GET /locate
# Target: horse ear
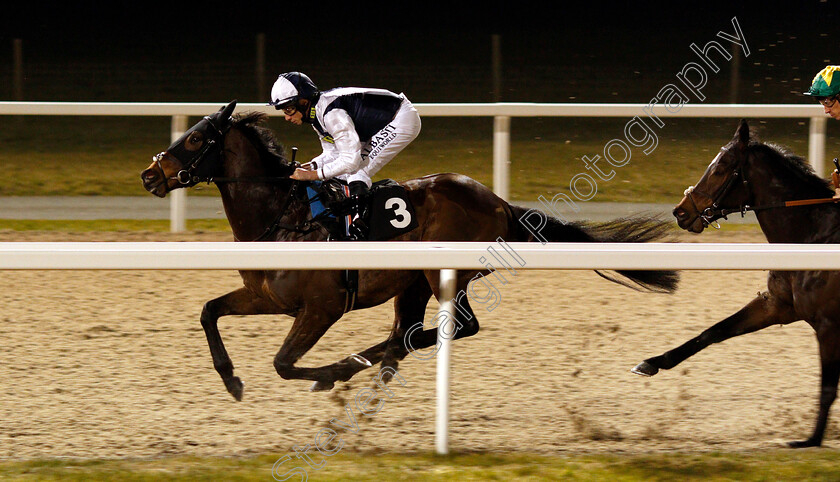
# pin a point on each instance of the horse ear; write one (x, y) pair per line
(742, 135)
(226, 111)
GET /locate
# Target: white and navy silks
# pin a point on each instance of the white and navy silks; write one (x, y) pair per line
(361, 130)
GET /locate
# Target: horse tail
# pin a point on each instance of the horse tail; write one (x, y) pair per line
(533, 225)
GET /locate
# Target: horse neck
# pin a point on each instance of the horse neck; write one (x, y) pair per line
(774, 183)
(252, 207)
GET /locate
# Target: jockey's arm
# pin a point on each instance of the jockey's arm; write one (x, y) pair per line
(311, 171)
(347, 148)
(325, 157)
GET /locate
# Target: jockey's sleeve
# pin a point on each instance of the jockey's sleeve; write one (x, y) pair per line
(348, 147)
(325, 157)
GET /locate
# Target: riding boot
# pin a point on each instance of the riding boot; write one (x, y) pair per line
(358, 195)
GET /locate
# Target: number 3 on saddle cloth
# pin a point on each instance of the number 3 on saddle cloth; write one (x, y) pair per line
(388, 212)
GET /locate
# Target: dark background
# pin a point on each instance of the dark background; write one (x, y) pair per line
(551, 52)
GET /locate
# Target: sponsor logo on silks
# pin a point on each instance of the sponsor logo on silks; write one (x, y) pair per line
(328, 139)
(381, 140)
(386, 134)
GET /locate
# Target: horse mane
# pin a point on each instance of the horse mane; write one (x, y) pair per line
(270, 149)
(797, 166)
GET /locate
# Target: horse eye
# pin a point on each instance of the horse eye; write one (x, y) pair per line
(722, 167)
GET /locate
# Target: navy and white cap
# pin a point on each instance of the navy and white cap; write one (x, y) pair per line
(290, 87)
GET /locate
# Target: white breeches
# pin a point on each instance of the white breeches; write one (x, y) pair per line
(387, 143)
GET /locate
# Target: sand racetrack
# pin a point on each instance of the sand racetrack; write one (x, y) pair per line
(115, 364)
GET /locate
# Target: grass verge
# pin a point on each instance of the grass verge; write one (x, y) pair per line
(107, 225)
(85, 156)
(812, 465)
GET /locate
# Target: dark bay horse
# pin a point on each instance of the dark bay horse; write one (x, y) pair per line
(262, 203)
(760, 177)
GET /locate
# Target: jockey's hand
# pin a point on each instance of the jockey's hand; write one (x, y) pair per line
(304, 175)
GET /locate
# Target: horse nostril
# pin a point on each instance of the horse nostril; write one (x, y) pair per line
(149, 176)
(679, 213)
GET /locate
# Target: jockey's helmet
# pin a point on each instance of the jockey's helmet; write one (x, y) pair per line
(290, 88)
(824, 84)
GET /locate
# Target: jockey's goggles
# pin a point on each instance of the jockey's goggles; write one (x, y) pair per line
(828, 102)
(289, 109)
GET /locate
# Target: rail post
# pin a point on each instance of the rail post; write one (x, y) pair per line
(501, 156)
(446, 331)
(816, 144)
(178, 197)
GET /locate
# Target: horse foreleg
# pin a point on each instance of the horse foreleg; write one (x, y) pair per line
(830, 374)
(763, 311)
(239, 302)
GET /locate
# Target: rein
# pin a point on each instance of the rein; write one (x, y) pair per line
(305, 227)
(786, 204)
(186, 176)
(714, 212)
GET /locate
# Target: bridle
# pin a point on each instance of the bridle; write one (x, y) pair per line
(711, 214)
(187, 177)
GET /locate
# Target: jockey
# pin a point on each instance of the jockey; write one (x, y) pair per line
(825, 88)
(360, 130)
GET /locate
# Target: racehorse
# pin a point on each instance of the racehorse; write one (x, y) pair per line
(793, 205)
(247, 164)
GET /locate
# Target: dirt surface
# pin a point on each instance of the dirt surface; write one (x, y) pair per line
(115, 364)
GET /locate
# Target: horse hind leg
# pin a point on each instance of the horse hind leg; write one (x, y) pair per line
(411, 337)
(761, 312)
(239, 302)
(345, 369)
(409, 310)
(829, 376)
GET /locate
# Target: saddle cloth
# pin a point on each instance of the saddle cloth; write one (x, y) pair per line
(388, 213)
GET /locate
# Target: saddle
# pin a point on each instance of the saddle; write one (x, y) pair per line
(386, 209)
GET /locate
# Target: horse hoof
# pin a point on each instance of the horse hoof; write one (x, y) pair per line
(645, 369)
(320, 386)
(361, 360)
(801, 444)
(235, 387)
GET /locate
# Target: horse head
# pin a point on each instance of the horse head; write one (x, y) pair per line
(721, 190)
(195, 156)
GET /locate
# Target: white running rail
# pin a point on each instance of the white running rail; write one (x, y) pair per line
(501, 113)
